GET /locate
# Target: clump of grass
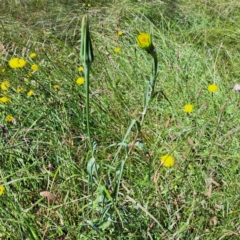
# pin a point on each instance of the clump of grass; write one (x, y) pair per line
(44, 146)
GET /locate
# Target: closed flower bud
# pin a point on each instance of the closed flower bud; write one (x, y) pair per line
(86, 54)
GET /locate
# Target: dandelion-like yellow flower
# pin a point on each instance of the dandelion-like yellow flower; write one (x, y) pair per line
(19, 90)
(17, 63)
(188, 108)
(212, 88)
(89, 5)
(2, 189)
(120, 33)
(5, 85)
(32, 55)
(30, 93)
(9, 118)
(117, 50)
(80, 81)
(3, 70)
(4, 99)
(167, 160)
(144, 41)
(56, 86)
(81, 69)
(34, 67)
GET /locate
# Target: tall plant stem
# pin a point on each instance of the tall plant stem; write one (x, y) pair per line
(86, 76)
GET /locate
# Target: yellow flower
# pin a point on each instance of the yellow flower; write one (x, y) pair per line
(2, 189)
(34, 67)
(30, 93)
(167, 160)
(212, 88)
(89, 5)
(80, 81)
(17, 63)
(33, 55)
(4, 99)
(188, 108)
(5, 85)
(120, 33)
(3, 70)
(117, 50)
(56, 86)
(19, 90)
(80, 69)
(144, 41)
(9, 118)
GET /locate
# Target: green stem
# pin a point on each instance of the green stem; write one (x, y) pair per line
(86, 76)
(154, 71)
(149, 90)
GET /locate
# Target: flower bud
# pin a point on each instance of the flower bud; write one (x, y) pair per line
(86, 53)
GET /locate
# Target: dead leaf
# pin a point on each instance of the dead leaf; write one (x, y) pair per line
(190, 142)
(219, 145)
(48, 195)
(127, 190)
(237, 88)
(218, 207)
(168, 123)
(150, 227)
(213, 221)
(224, 183)
(209, 192)
(214, 182)
(223, 106)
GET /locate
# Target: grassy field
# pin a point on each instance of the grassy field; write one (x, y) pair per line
(55, 185)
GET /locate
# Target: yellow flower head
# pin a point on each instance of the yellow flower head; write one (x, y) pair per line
(120, 33)
(3, 70)
(2, 189)
(4, 99)
(80, 68)
(30, 93)
(212, 88)
(188, 108)
(117, 50)
(17, 63)
(19, 90)
(56, 86)
(144, 41)
(80, 81)
(167, 160)
(34, 67)
(33, 55)
(5, 85)
(9, 118)
(89, 5)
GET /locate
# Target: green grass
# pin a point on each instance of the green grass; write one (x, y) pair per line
(119, 196)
